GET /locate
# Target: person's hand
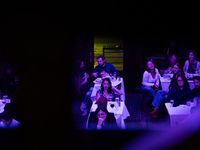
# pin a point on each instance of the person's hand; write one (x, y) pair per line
(95, 74)
(170, 69)
(86, 75)
(100, 121)
(105, 74)
(156, 87)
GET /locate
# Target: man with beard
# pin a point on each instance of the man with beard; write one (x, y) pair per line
(196, 91)
(104, 69)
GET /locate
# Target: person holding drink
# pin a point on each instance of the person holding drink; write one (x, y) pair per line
(107, 90)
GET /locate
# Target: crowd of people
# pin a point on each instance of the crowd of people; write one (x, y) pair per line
(9, 86)
(178, 90)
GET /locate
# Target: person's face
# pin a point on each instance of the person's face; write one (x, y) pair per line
(172, 60)
(100, 61)
(150, 65)
(180, 82)
(197, 84)
(106, 85)
(102, 114)
(82, 65)
(176, 69)
(191, 56)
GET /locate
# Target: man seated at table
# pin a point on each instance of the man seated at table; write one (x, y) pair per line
(101, 119)
(104, 69)
(168, 65)
(196, 91)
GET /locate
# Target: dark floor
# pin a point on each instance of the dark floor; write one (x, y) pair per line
(139, 118)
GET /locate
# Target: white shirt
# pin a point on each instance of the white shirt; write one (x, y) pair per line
(14, 124)
(148, 80)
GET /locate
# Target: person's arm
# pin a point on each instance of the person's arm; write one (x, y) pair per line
(145, 79)
(114, 70)
(158, 77)
(117, 91)
(96, 72)
(97, 96)
(170, 94)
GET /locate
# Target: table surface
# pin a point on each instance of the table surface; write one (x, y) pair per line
(114, 83)
(114, 110)
(179, 110)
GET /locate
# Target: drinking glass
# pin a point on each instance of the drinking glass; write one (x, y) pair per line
(188, 103)
(110, 97)
(116, 105)
(172, 102)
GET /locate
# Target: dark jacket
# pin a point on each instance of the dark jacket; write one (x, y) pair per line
(110, 122)
(179, 96)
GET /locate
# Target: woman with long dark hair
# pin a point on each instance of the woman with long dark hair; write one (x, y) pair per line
(161, 94)
(180, 93)
(107, 90)
(102, 119)
(150, 81)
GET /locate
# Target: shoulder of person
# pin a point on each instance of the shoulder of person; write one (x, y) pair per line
(156, 70)
(108, 64)
(187, 62)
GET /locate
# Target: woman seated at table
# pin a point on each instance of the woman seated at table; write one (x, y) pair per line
(150, 81)
(101, 119)
(180, 92)
(192, 66)
(107, 90)
(161, 94)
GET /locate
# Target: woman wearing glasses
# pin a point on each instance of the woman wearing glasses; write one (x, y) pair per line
(180, 93)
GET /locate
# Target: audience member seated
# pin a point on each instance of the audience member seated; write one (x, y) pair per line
(102, 101)
(168, 65)
(196, 91)
(107, 90)
(150, 81)
(192, 66)
(104, 69)
(7, 121)
(180, 93)
(101, 119)
(14, 106)
(82, 86)
(161, 94)
(8, 81)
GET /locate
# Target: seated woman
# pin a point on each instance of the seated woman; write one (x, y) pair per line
(180, 93)
(107, 90)
(83, 88)
(7, 121)
(161, 94)
(150, 81)
(192, 66)
(101, 119)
